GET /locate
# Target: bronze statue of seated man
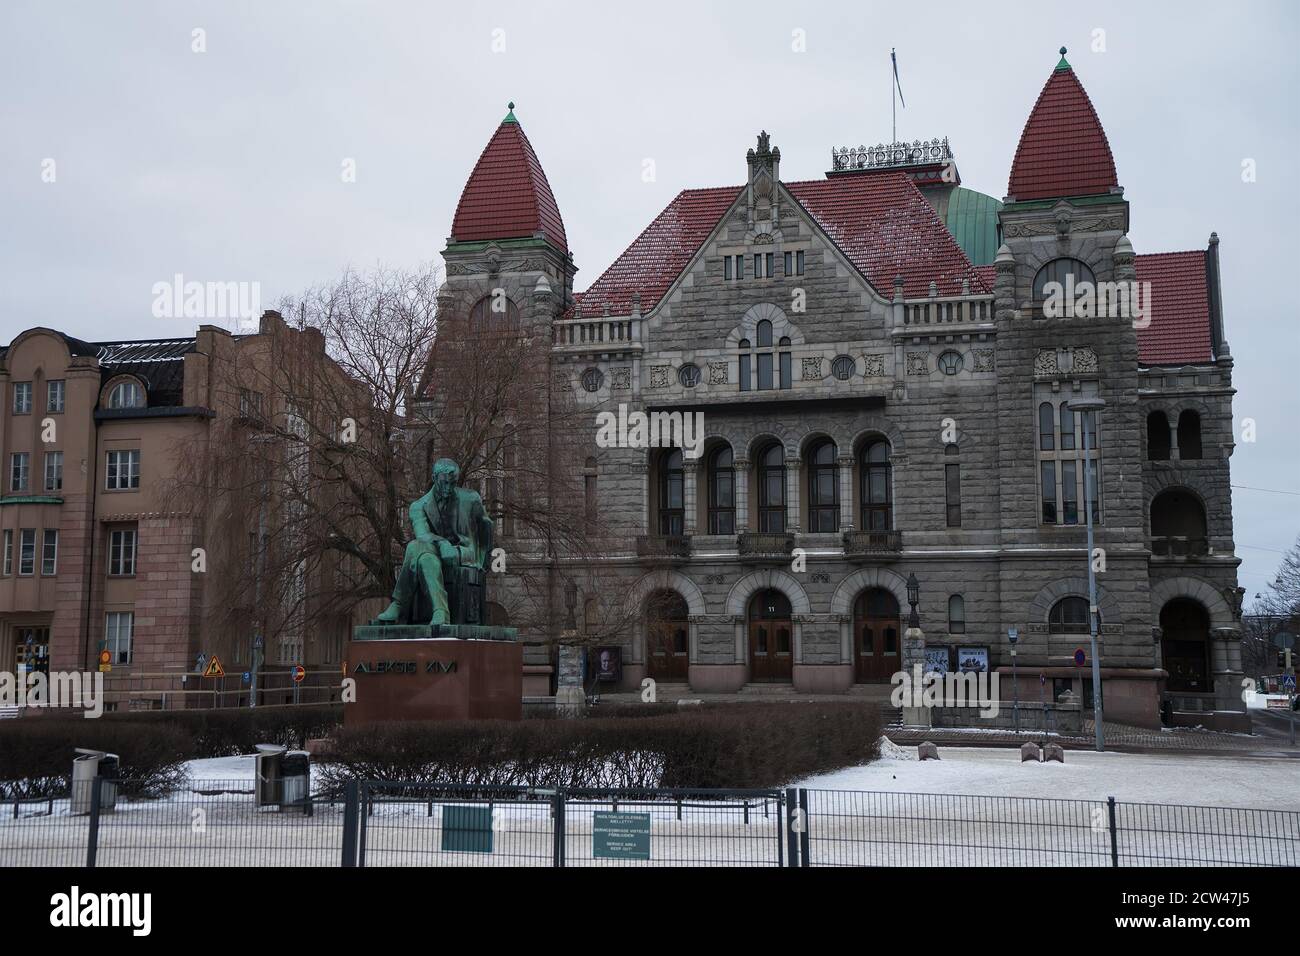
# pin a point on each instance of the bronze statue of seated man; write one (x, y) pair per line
(452, 531)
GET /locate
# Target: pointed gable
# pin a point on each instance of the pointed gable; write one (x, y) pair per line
(1063, 149)
(507, 195)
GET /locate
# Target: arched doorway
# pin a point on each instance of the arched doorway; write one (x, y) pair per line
(771, 640)
(1178, 525)
(667, 640)
(877, 644)
(1185, 646)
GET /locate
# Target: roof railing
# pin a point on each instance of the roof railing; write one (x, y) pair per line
(891, 155)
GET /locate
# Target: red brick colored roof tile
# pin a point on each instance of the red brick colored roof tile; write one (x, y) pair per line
(1063, 150)
(658, 256)
(988, 275)
(880, 221)
(887, 228)
(507, 196)
(1179, 304)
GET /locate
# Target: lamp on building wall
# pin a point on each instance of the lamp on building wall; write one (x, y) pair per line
(1089, 407)
(913, 596)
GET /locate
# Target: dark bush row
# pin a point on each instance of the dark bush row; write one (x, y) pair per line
(36, 753)
(748, 745)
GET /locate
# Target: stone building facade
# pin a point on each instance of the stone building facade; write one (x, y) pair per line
(879, 400)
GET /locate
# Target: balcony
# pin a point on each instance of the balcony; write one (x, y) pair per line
(666, 548)
(872, 544)
(1179, 546)
(757, 546)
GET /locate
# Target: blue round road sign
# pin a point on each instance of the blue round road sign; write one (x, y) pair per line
(1080, 658)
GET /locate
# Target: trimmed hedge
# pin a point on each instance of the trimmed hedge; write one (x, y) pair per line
(36, 753)
(746, 745)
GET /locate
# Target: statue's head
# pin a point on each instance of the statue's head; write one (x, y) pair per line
(446, 476)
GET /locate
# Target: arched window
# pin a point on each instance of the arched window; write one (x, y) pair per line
(765, 368)
(1178, 525)
(497, 616)
(956, 614)
(1069, 616)
(722, 491)
(671, 493)
(876, 487)
(1157, 437)
(1046, 428)
(771, 489)
(126, 395)
(823, 488)
(589, 501)
(1055, 279)
(1189, 435)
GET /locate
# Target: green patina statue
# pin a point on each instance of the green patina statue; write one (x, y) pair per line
(444, 573)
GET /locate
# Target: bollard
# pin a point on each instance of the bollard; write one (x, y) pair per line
(1054, 752)
(927, 751)
(1031, 751)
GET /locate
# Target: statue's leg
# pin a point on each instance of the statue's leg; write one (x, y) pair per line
(431, 569)
(403, 590)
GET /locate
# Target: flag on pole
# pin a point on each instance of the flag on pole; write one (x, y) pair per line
(898, 85)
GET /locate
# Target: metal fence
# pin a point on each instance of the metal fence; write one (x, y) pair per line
(395, 823)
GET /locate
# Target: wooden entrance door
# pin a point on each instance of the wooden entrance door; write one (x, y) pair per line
(877, 636)
(668, 641)
(1185, 647)
(771, 638)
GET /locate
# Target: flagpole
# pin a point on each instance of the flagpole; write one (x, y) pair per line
(893, 102)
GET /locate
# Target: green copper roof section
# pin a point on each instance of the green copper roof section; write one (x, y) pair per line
(1063, 65)
(972, 218)
(510, 116)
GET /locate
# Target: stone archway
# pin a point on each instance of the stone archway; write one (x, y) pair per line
(663, 579)
(743, 591)
(846, 593)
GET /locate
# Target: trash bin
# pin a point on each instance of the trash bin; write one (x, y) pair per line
(295, 773)
(269, 758)
(88, 767)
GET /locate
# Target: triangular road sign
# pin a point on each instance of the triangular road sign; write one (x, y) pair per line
(214, 668)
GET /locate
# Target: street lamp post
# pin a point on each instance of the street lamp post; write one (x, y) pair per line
(1089, 408)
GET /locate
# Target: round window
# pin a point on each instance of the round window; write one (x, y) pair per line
(842, 367)
(950, 363)
(689, 375)
(592, 379)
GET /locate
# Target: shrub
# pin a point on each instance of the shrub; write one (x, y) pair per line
(36, 755)
(745, 745)
(231, 731)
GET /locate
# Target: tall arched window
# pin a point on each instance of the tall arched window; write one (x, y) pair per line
(722, 491)
(956, 614)
(877, 487)
(126, 395)
(1157, 437)
(823, 488)
(771, 489)
(1189, 435)
(671, 494)
(1057, 278)
(493, 313)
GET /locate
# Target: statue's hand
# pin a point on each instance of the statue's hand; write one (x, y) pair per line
(447, 551)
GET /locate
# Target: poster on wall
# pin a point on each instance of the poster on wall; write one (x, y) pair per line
(609, 664)
(936, 660)
(973, 660)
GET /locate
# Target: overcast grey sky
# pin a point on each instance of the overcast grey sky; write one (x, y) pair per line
(225, 165)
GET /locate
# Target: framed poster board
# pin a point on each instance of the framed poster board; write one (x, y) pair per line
(609, 664)
(973, 659)
(937, 660)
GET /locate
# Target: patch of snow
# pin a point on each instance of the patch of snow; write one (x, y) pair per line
(891, 751)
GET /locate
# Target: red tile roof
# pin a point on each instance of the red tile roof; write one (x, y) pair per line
(658, 256)
(507, 196)
(988, 275)
(1063, 150)
(1179, 304)
(880, 221)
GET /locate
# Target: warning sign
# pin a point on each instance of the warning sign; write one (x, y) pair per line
(105, 661)
(214, 668)
(299, 672)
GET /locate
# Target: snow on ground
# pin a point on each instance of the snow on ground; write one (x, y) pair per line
(1236, 781)
(222, 768)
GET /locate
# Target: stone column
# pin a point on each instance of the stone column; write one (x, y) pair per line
(792, 495)
(690, 472)
(1225, 645)
(845, 463)
(913, 664)
(570, 696)
(741, 466)
(1173, 438)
